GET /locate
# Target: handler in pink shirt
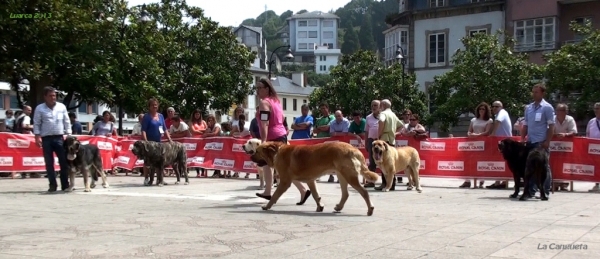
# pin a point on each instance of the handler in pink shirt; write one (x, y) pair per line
(372, 130)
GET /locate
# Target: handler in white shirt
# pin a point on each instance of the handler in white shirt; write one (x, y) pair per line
(179, 129)
(564, 126)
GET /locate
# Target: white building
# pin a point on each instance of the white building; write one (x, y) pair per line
(311, 29)
(86, 113)
(326, 58)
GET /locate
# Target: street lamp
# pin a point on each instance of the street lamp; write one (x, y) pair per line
(401, 58)
(144, 17)
(271, 61)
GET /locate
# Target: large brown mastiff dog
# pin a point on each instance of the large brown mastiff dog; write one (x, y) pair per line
(395, 159)
(307, 163)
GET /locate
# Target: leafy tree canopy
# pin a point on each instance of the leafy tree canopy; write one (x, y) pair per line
(351, 41)
(361, 78)
(573, 71)
(485, 71)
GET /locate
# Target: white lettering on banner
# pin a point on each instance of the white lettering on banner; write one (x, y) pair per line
(6, 161)
(451, 165)
(103, 145)
(190, 146)
(130, 147)
(471, 146)
(401, 143)
(118, 148)
(17, 143)
(237, 148)
(112, 161)
(491, 166)
(422, 166)
(139, 162)
(213, 146)
(561, 146)
(33, 161)
(249, 165)
(594, 149)
(123, 159)
(433, 146)
(227, 163)
(86, 142)
(355, 143)
(196, 159)
(578, 169)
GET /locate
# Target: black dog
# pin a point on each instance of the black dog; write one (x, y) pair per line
(536, 170)
(157, 156)
(515, 153)
(84, 158)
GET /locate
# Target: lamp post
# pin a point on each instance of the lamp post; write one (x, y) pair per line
(271, 61)
(401, 58)
(143, 19)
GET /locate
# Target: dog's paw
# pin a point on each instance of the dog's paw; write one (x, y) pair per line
(370, 211)
(265, 207)
(93, 185)
(338, 208)
(513, 196)
(419, 190)
(105, 185)
(320, 207)
(186, 183)
(177, 182)
(409, 188)
(87, 190)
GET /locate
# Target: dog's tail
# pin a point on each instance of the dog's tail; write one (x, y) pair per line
(362, 168)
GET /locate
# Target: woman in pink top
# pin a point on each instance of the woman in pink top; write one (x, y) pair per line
(270, 117)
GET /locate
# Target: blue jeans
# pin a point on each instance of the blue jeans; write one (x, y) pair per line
(532, 185)
(54, 145)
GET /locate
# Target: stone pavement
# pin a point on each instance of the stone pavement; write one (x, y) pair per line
(222, 218)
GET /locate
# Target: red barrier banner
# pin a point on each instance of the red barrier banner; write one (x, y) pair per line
(570, 159)
(19, 152)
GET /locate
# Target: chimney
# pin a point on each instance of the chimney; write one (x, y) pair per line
(298, 78)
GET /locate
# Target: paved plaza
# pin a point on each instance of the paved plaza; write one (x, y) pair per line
(222, 218)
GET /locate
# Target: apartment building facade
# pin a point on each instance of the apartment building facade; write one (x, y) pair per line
(543, 26)
(309, 30)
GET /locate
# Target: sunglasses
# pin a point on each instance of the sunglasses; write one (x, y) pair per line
(413, 120)
(406, 114)
(482, 109)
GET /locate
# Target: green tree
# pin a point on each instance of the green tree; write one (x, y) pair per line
(283, 17)
(302, 11)
(317, 80)
(351, 42)
(573, 71)
(365, 35)
(485, 71)
(190, 79)
(361, 78)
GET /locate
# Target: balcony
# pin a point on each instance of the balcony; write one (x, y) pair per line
(535, 46)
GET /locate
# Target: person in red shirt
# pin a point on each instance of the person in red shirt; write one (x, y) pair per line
(170, 114)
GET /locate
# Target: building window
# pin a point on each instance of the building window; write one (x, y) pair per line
(327, 35)
(313, 34)
(312, 22)
(1, 101)
(304, 101)
(473, 32)
(437, 48)
(535, 34)
(436, 3)
(392, 40)
(327, 23)
(311, 46)
(324, 58)
(82, 108)
(94, 108)
(294, 104)
(284, 104)
(14, 104)
(302, 46)
(581, 21)
(302, 23)
(302, 34)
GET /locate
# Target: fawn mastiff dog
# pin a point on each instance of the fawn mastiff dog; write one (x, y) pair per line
(307, 163)
(394, 159)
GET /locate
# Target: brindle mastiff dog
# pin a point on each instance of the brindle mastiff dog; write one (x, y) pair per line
(84, 158)
(157, 156)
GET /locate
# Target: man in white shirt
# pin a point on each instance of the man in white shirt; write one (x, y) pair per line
(137, 128)
(564, 126)
(502, 128)
(593, 131)
(178, 128)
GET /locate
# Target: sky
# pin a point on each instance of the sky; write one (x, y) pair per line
(233, 12)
